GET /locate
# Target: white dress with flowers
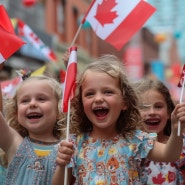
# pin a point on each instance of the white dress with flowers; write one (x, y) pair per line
(110, 162)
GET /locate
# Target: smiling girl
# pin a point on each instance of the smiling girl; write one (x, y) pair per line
(31, 137)
(156, 106)
(106, 142)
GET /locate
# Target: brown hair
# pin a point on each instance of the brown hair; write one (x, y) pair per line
(149, 84)
(128, 120)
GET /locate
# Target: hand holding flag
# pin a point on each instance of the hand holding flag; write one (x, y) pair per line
(68, 92)
(181, 84)
(10, 43)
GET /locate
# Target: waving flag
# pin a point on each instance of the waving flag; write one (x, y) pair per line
(116, 21)
(26, 32)
(8, 86)
(182, 77)
(70, 78)
(39, 71)
(9, 41)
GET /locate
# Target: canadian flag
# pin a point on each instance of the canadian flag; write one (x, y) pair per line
(25, 31)
(9, 41)
(70, 79)
(116, 21)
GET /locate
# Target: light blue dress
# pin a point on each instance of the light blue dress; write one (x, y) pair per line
(113, 161)
(2, 175)
(27, 168)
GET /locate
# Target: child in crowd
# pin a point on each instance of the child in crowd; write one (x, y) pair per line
(106, 143)
(156, 106)
(31, 137)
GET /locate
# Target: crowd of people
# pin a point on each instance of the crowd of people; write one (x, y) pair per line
(121, 133)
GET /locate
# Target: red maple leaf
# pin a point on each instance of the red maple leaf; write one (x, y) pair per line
(104, 15)
(159, 179)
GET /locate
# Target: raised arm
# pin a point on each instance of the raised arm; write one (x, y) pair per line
(170, 152)
(1, 97)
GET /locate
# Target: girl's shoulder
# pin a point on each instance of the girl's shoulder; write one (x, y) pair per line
(141, 135)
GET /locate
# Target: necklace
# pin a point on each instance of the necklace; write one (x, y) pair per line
(43, 142)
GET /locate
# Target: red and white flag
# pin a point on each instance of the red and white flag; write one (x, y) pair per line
(182, 77)
(70, 78)
(9, 41)
(25, 31)
(116, 21)
(8, 87)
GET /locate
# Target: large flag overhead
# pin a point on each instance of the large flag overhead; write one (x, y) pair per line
(116, 21)
(9, 41)
(26, 32)
(70, 78)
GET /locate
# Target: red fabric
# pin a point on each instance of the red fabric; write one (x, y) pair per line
(130, 25)
(70, 78)
(182, 77)
(29, 2)
(10, 42)
(116, 21)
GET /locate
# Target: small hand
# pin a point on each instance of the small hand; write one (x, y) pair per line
(65, 152)
(65, 58)
(178, 115)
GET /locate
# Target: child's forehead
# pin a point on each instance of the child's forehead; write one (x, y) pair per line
(34, 84)
(35, 81)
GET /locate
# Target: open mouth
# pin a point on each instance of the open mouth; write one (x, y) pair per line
(152, 122)
(34, 115)
(100, 111)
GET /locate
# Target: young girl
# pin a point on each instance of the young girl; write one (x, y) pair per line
(107, 145)
(156, 106)
(30, 139)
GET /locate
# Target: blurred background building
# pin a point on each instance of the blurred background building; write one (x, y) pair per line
(157, 50)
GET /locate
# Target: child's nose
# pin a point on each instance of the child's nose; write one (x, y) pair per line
(99, 98)
(151, 110)
(33, 103)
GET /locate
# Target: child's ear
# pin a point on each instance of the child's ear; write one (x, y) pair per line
(124, 107)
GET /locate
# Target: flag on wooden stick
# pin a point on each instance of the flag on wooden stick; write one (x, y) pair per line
(181, 84)
(70, 78)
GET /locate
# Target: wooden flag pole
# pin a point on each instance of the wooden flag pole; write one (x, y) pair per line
(76, 35)
(67, 138)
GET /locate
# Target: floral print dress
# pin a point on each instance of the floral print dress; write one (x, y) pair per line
(163, 173)
(110, 162)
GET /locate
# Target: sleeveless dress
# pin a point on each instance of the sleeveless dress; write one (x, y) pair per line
(110, 162)
(2, 175)
(27, 168)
